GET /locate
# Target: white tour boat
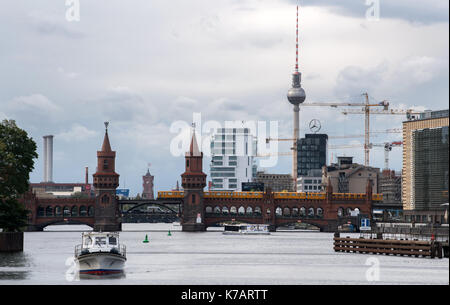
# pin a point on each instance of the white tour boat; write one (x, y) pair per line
(100, 254)
(246, 229)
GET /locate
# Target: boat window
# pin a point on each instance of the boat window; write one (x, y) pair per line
(112, 240)
(88, 241)
(100, 241)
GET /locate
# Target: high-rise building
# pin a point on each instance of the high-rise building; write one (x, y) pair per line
(425, 161)
(233, 151)
(312, 153)
(147, 185)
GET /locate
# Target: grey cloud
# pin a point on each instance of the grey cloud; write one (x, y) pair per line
(46, 24)
(429, 11)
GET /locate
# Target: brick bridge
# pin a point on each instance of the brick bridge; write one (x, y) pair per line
(196, 208)
(202, 209)
(323, 210)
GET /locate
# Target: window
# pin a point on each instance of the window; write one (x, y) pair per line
(100, 241)
(193, 198)
(105, 164)
(88, 241)
(112, 240)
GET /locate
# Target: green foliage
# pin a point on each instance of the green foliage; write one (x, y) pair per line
(13, 215)
(17, 154)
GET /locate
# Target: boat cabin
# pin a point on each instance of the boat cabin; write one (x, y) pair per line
(98, 241)
(247, 229)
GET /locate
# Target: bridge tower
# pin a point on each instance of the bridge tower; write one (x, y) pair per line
(193, 182)
(106, 181)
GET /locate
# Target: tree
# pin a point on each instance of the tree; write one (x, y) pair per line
(17, 154)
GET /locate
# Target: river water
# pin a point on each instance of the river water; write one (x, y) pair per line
(213, 258)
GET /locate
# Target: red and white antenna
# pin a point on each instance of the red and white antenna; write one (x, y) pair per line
(296, 47)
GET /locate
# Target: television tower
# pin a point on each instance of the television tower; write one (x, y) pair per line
(296, 96)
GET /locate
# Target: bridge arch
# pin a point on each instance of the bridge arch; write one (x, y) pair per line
(319, 212)
(291, 222)
(74, 211)
(258, 210)
(58, 211)
(64, 222)
(138, 206)
(49, 211)
(278, 211)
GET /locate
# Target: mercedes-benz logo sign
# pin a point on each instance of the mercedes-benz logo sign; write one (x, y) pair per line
(315, 125)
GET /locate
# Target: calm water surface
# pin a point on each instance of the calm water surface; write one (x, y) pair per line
(213, 258)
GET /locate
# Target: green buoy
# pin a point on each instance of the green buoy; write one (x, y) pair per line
(145, 241)
(169, 234)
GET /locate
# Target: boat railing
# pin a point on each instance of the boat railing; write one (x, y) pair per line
(120, 249)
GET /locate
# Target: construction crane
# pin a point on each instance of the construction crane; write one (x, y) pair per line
(387, 149)
(410, 115)
(367, 106)
(395, 130)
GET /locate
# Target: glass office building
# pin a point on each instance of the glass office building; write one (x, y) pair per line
(430, 159)
(312, 153)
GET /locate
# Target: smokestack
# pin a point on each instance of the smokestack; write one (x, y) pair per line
(48, 158)
(45, 161)
(87, 176)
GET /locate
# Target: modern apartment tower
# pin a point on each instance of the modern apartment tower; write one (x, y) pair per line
(233, 151)
(296, 96)
(425, 161)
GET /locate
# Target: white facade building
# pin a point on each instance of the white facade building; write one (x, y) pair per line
(312, 183)
(233, 153)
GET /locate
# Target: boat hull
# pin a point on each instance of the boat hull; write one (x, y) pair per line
(101, 263)
(246, 233)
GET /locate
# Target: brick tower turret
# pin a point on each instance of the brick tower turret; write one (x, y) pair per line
(147, 186)
(193, 182)
(106, 181)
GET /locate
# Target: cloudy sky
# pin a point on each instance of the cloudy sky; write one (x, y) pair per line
(143, 65)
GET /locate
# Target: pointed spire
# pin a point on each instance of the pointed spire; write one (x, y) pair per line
(193, 150)
(106, 147)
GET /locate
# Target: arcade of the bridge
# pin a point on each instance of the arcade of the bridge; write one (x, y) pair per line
(65, 211)
(302, 212)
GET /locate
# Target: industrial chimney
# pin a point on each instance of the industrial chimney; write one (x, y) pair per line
(48, 158)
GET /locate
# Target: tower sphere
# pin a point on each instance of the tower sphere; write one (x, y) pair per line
(296, 95)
